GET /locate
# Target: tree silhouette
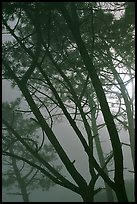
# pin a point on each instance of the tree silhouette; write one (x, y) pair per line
(66, 58)
(16, 172)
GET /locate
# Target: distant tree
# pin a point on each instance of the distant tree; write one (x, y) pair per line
(15, 172)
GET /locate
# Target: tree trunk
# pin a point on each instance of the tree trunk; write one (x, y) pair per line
(121, 191)
(121, 195)
(20, 180)
(87, 195)
(109, 191)
(108, 118)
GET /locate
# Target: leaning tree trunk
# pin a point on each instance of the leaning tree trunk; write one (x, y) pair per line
(109, 191)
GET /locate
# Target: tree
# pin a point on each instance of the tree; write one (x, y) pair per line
(16, 172)
(50, 62)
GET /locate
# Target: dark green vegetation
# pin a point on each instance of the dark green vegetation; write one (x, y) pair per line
(68, 60)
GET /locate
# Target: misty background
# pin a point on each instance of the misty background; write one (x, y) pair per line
(74, 149)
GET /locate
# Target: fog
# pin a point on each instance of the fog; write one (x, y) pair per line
(75, 151)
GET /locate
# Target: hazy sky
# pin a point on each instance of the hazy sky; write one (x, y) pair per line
(72, 146)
